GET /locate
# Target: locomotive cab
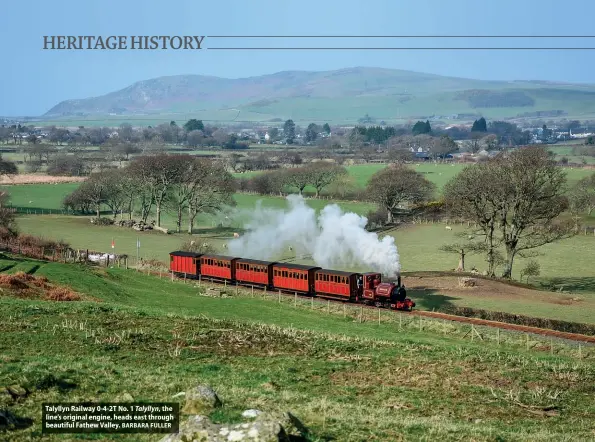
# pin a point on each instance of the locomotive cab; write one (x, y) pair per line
(370, 282)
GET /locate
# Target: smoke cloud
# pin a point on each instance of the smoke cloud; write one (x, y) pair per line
(334, 240)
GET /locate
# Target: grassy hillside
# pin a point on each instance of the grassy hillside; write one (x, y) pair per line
(150, 339)
(341, 96)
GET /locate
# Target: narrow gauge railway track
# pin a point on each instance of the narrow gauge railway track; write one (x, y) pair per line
(462, 319)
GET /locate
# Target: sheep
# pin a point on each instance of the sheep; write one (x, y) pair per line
(236, 235)
(290, 249)
(448, 228)
(225, 246)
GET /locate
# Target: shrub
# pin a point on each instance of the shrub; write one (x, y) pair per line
(531, 269)
(376, 219)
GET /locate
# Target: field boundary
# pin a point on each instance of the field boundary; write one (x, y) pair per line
(569, 344)
(156, 268)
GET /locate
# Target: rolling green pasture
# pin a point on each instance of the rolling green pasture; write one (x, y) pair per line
(565, 265)
(148, 339)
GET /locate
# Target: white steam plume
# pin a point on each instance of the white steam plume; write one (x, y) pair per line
(334, 240)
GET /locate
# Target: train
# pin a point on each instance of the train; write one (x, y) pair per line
(365, 288)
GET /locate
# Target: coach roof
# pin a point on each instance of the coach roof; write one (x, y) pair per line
(182, 253)
(220, 257)
(295, 266)
(257, 262)
(336, 272)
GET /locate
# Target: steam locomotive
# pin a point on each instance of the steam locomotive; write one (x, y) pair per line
(365, 288)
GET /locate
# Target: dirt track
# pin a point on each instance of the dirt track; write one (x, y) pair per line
(507, 326)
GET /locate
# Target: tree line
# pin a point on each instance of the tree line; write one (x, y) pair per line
(180, 184)
(319, 175)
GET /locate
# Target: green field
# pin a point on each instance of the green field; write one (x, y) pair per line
(566, 152)
(418, 246)
(149, 339)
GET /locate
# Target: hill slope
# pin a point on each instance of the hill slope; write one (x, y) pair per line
(345, 94)
(143, 341)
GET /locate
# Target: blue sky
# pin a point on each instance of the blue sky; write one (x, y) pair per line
(33, 80)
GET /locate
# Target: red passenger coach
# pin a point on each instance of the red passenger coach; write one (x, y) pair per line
(218, 266)
(253, 271)
(187, 263)
(336, 284)
(294, 277)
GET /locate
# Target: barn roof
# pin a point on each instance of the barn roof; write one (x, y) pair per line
(337, 272)
(182, 253)
(220, 257)
(256, 261)
(295, 266)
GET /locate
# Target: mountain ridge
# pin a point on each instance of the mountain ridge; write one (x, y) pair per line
(342, 93)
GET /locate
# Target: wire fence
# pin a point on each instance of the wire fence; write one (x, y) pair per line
(401, 321)
(355, 312)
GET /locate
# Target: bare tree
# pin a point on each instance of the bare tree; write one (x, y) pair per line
(234, 161)
(115, 197)
(400, 155)
(531, 200)
(95, 190)
(184, 186)
(474, 194)
(7, 167)
(159, 173)
(212, 189)
(321, 174)
(298, 178)
(582, 196)
(393, 186)
(442, 146)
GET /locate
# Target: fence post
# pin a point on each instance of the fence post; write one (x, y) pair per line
(400, 320)
(184, 277)
(237, 287)
(580, 351)
(199, 279)
(328, 306)
(498, 336)
(378, 316)
(472, 332)
(312, 302)
(252, 291)
(295, 299)
(225, 283)
(361, 314)
(527, 340)
(420, 323)
(172, 276)
(344, 311)
(551, 346)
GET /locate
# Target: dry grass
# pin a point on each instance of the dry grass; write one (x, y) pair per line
(23, 285)
(39, 179)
